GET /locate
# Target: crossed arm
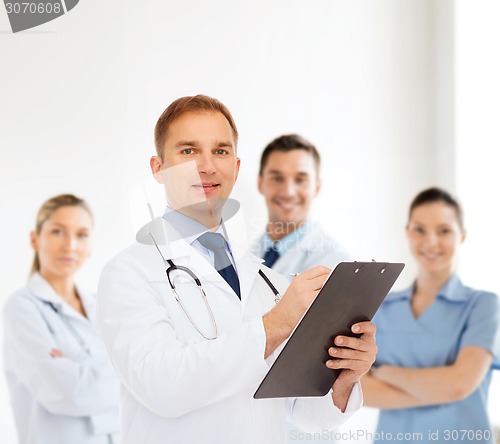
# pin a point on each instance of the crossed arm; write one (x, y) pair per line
(391, 387)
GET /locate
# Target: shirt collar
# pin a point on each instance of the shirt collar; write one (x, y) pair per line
(452, 290)
(288, 242)
(400, 295)
(189, 229)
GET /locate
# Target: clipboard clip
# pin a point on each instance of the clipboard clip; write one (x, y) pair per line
(357, 270)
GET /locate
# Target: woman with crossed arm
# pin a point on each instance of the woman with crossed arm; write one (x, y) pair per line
(63, 389)
(436, 339)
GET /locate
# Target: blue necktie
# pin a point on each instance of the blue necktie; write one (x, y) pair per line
(271, 257)
(216, 243)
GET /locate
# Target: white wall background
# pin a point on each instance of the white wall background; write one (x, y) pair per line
(371, 82)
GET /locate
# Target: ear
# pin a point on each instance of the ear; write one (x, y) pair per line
(34, 240)
(318, 186)
(238, 161)
(464, 235)
(155, 163)
(259, 184)
(407, 231)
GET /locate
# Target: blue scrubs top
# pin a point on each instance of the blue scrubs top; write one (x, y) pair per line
(459, 317)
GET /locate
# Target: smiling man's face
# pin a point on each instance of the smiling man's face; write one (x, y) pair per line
(198, 164)
(289, 182)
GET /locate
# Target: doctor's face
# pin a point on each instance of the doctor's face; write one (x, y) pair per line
(198, 164)
(63, 243)
(289, 183)
(434, 235)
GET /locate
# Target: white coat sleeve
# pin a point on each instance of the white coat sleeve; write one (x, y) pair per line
(318, 414)
(165, 375)
(61, 385)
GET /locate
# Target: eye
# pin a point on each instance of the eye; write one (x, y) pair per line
(83, 235)
(419, 230)
(187, 151)
(276, 179)
(57, 231)
(301, 180)
(444, 231)
(221, 152)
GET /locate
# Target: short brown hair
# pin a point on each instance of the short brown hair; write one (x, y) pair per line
(289, 142)
(198, 103)
(48, 208)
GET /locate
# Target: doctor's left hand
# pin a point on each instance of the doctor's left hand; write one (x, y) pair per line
(354, 356)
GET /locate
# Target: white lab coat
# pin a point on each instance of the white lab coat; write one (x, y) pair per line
(65, 400)
(315, 248)
(178, 387)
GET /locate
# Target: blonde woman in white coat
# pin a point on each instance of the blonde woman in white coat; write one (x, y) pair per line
(62, 386)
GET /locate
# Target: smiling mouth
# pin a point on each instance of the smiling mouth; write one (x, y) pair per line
(207, 188)
(287, 205)
(430, 257)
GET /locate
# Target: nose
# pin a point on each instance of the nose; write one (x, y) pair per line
(431, 239)
(70, 242)
(289, 188)
(206, 164)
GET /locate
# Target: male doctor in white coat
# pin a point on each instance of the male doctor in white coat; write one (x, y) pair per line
(189, 366)
(289, 181)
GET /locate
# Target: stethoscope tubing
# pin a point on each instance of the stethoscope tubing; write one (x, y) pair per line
(172, 267)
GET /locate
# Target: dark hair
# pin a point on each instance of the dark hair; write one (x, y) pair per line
(435, 194)
(289, 142)
(48, 208)
(198, 103)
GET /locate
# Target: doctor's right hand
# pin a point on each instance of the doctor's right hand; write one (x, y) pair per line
(282, 319)
(56, 353)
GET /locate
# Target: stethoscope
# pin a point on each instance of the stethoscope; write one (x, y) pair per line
(69, 326)
(172, 267)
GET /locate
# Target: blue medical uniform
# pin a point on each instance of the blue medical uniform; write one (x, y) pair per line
(459, 317)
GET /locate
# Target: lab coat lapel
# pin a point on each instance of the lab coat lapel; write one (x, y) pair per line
(247, 266)
(43, 291)
(89, 305)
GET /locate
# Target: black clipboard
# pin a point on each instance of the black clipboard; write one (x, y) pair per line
(352, 293)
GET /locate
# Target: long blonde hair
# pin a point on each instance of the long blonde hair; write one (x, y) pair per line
(48, 208)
